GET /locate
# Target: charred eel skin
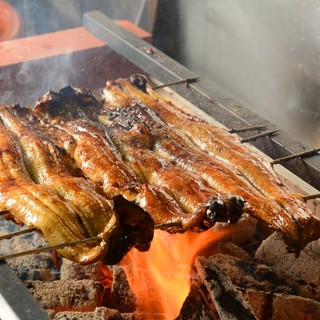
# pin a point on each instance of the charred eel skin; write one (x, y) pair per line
(289, 215)
(76, 167)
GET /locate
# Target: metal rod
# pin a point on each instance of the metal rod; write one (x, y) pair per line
(168, 225)
(187, 81)
(17, 233)
(257, 136)
(311, 197)
(297, 155)
(66, 244)
(49, 248)
(233, 130)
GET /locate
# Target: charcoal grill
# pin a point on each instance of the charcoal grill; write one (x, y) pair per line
(127, 53)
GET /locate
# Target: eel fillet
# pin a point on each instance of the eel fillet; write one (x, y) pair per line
(227, 159)
(40, 206)
(77, 167)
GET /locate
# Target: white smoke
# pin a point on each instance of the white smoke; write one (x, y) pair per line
(267, 55)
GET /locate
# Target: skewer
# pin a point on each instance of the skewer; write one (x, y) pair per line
(2, 213)
(17, 233)
(297, 155)
(63, 245)
(311, 197)
(167, 225)
(48, 248)
(260, 135)
(245, 129)
(187, 81)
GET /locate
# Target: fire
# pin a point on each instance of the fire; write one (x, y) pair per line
(160, 278)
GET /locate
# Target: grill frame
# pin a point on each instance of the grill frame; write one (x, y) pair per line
(16, 302)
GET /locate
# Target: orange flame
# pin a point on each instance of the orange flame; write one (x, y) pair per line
(160, 278)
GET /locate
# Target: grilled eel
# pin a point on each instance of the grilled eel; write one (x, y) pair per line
(221, 159)
(141, 160)
(135, 173)
(85, 209)
(40, 206)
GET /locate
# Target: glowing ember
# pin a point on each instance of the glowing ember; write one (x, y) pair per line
(160, 278)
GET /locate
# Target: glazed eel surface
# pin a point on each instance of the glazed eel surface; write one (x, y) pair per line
(220, 159)
(76, 167)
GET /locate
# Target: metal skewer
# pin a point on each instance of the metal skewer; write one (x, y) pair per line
(257, 136)
(167, 225)
(311, 197)
(187, 81)
(17, 233)
(49, 248)
(66, 244)
(297, 155)
(245, 129)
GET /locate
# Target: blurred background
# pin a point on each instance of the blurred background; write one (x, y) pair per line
(265, 54)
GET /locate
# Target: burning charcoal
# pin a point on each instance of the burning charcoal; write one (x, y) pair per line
(103, 313)
(145, 316)
(279, 306)
(301, 272)
(265, 291)
(228, 301)
(273, 251)
(7, 226)
(314, 247)
(35, 267)
(121, 291)
(32, 267)
(67, 295)
(100, 313)
(23, 242)
(97, 271)
(249, 274)
(74, 315)
(197, 306)
(234, 250)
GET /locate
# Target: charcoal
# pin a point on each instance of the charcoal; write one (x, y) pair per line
(122, 292)
(67, 295)
(196, 306)
(228, 301)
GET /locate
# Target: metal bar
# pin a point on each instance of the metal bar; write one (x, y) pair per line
(65, 244)
(17, 233)
(260, 135)
(246, 129)
(297, 155)
(311, 197)
(202, 94)
(169, 84)
(16, 302)
(167, 225)
(48, 248)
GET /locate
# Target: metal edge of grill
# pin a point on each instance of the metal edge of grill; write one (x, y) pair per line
(16, 302)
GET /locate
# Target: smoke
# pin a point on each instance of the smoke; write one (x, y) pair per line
(266, 54)
(25, 82)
